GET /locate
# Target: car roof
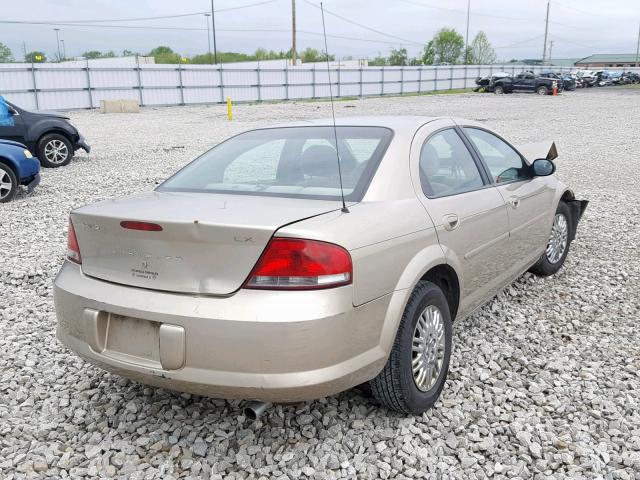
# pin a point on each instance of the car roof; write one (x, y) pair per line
(394, 122)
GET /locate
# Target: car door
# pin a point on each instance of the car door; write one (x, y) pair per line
(529, 199)
(469, 215)
(11, 126)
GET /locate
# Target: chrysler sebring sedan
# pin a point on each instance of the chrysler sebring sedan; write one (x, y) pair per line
(244, 276)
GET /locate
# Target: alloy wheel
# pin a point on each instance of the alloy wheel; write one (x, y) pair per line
(558, 239)
(6, 184)
(56, 151)
(428, 348)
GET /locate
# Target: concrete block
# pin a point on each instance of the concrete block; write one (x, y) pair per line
(119, 106)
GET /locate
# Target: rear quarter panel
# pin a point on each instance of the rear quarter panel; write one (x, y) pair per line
(391, 243)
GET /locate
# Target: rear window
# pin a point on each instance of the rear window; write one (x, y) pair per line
(299, 162)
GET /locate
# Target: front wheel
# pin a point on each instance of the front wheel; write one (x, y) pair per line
(498, 90)
(8, 184)
(558, 246)
(54, 150)
(415, 373)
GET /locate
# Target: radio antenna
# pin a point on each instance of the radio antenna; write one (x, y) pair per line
(333, 111)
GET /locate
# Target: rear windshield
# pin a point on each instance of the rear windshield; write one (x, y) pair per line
(297, 162)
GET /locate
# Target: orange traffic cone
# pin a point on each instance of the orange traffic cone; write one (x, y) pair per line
(555, 88)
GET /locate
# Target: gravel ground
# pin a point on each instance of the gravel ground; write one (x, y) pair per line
(544, 379)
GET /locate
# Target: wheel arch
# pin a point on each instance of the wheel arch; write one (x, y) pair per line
(51, 130)
(11, 164)
(446, 278)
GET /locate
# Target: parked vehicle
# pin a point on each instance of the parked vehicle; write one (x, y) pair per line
(485, 83)
(525, 82)
(245, 275)
(49, 136)
(17, 167)
(588, 77)
(567, 81)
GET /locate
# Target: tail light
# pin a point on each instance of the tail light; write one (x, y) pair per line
(73, 250)
(297, 264)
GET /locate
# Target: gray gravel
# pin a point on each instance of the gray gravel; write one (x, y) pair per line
(544, 380)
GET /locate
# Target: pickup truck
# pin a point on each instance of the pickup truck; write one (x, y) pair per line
(524, 82)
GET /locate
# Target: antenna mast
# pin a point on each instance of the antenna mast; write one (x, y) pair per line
(333, 112)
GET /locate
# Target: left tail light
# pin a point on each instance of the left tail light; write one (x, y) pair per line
(300, 264)
(73, 250)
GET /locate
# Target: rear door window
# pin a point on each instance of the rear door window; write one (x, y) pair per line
(446, 166)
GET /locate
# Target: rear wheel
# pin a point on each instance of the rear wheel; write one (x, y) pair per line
(542, 90)
(498, 90)
(54, 150)
(558, 247)
(415, 373)
(8, 184)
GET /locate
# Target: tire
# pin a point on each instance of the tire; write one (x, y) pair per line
(548, 264)
(542, 90)
(54, 150)
(8, 184)
(498, 90)
(395, 387)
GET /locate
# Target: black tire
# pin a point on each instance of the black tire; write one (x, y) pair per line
(498, 89)
(49, 149)
(544, 266)
(8, 183)
(394, 387)
(542, 90)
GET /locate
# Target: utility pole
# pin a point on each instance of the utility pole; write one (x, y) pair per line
(64, 50)
(57, 30)
(206, 17)
(213, 25)
(546, 31)
(466, 42)
(550, 50)
(293, 32)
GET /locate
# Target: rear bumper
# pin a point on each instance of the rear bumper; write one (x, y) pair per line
(271, 346)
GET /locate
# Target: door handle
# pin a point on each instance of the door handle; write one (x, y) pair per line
(451, 221)
(514, 202)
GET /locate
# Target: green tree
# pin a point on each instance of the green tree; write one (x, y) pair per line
(35, 57)
(164, 54)
(313, 55)
(5, 54)
(429, 54)
(446, 47)
(91, 54)
(482, 53)
(378, 61)
(398, 57)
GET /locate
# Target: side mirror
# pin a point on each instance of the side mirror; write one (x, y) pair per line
(543, 167)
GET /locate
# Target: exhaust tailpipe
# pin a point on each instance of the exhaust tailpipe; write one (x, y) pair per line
(253, 410)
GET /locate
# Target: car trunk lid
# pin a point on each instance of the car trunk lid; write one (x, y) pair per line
(208, 243)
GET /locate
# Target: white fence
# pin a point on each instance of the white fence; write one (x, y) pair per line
(59, 87)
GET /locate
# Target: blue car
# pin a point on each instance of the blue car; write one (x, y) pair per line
(17, 167)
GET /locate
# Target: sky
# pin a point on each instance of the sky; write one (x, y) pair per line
(515, 27)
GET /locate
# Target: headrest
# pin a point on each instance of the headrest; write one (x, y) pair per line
(319, 161)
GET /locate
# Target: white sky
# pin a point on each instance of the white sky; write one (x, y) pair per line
(577, 27)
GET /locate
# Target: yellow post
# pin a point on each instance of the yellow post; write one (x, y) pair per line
(229, 112)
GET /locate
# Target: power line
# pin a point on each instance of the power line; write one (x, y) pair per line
(515, 45)
(353, 22)
(599, 15)
(248, 30)
(161, 17)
